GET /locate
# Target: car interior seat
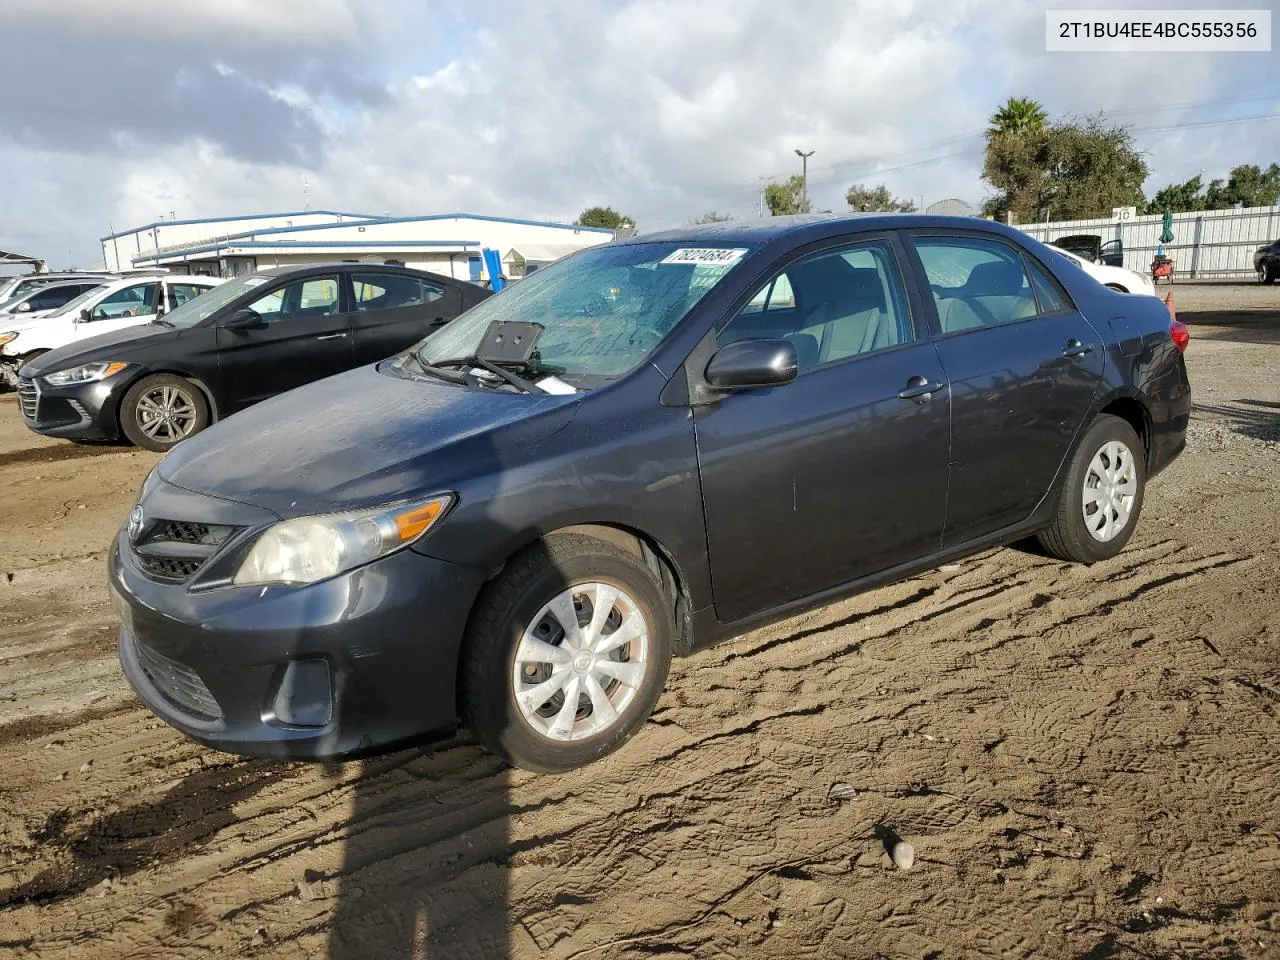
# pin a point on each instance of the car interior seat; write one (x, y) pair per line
(995, 292)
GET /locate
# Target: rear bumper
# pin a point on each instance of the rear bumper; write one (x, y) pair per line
(370, 657)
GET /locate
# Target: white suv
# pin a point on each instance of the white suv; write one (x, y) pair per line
(121, 303)
(1117, 278)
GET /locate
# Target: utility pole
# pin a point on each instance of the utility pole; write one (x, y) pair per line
(760, 199)
(804, 175)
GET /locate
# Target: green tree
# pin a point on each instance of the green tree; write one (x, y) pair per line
(1071, 170)
(1177, 197)
(606, 217)
(786, 198)
(1247, 185)
(1017, 115)
(712, 217)
(877, 199)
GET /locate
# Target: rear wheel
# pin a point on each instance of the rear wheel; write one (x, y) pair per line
(1117, 288)
(566, 654)
(1267, 273)
(1101, 498)
(161, 411)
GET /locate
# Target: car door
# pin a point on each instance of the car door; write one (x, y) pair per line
(395, 310)
(1024, 366)
(842, 472)
(305, 336)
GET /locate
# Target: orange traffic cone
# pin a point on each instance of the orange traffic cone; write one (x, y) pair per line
(1168, 302)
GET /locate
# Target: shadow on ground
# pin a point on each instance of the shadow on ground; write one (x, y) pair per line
(1258, 419)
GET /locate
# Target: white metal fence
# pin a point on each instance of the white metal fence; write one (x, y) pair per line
(1210, 245)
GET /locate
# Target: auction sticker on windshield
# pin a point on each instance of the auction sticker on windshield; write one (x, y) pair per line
(715, 256)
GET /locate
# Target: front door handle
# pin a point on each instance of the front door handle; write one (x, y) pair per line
(332, 336)
(1075, 348)
(920, 389)
(438, 322)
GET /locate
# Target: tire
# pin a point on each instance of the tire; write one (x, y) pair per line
(1071, 535)
(1116, 287)
(1267, 274)
(161, 391)
(546, 738)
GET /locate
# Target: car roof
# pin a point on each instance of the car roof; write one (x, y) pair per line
(805, 227)
(327, 267)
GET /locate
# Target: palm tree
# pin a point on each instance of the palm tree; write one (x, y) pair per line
(1018, 115)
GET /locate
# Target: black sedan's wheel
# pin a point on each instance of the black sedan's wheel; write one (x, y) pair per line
(1101, 497)
(1267, 273)
(566, 655)
(161, 411)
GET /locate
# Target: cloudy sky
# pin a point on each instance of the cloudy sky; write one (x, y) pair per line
(115, 113)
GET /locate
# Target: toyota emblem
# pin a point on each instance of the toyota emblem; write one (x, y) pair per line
(134, 528)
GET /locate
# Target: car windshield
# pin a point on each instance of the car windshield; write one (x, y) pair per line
(211, 301)
(602, 310)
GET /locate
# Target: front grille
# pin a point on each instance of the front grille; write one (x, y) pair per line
(180, 685)
(179, 531)
(175, 550)
(28, 398)
(176, 569)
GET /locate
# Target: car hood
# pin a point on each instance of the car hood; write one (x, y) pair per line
(358, 439)
(112, 345)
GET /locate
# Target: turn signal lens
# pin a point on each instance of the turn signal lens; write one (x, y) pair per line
(413, 522)
(1181, 335)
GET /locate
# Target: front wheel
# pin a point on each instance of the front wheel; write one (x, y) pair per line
(566, 655)
(1267, 273)
(1101, 498)
(161, 411)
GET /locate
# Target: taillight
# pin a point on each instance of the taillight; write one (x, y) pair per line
(1181, 335)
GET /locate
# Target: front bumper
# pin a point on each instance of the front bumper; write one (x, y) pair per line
(80, 411)
(370, 656)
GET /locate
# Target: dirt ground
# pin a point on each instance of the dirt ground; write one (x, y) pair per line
(1083, 758)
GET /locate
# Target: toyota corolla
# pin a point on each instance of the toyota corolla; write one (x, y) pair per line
(642, 449)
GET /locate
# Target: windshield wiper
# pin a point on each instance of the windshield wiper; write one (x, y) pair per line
(458, 370)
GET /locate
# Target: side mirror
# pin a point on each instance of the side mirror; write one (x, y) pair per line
(23, 307)
(244, 319)
(86, 315)
(747, 364)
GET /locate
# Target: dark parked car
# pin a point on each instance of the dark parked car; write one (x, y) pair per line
(644, 448)
(1266, 262)
(158, 383)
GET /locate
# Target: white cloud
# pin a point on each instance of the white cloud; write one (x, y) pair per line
(661, 108)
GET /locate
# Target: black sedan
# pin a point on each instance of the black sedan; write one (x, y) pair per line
(641, 449)
(159, 383)
(1266, 262)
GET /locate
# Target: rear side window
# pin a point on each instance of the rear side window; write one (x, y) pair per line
(1049, 293)
(180, 293)
(389, 291)
(975, 282)
(48, 299)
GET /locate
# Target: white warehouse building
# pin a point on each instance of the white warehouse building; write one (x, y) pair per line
(449, 244)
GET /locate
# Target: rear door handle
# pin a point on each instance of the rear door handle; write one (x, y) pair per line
(920, 389)
(438, 322)
(331, 336)
(1075, 348)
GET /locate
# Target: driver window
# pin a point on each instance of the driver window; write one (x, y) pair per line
(313, 297)
(135, 301)
(831, 306)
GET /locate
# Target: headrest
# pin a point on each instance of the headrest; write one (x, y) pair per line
(998, 278)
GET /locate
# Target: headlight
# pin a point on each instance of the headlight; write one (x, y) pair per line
(316, 548)
(86, 373)
(7, 338)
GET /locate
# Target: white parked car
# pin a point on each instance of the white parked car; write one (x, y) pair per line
(125, 302)
(43, 300)
(1117, 278)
